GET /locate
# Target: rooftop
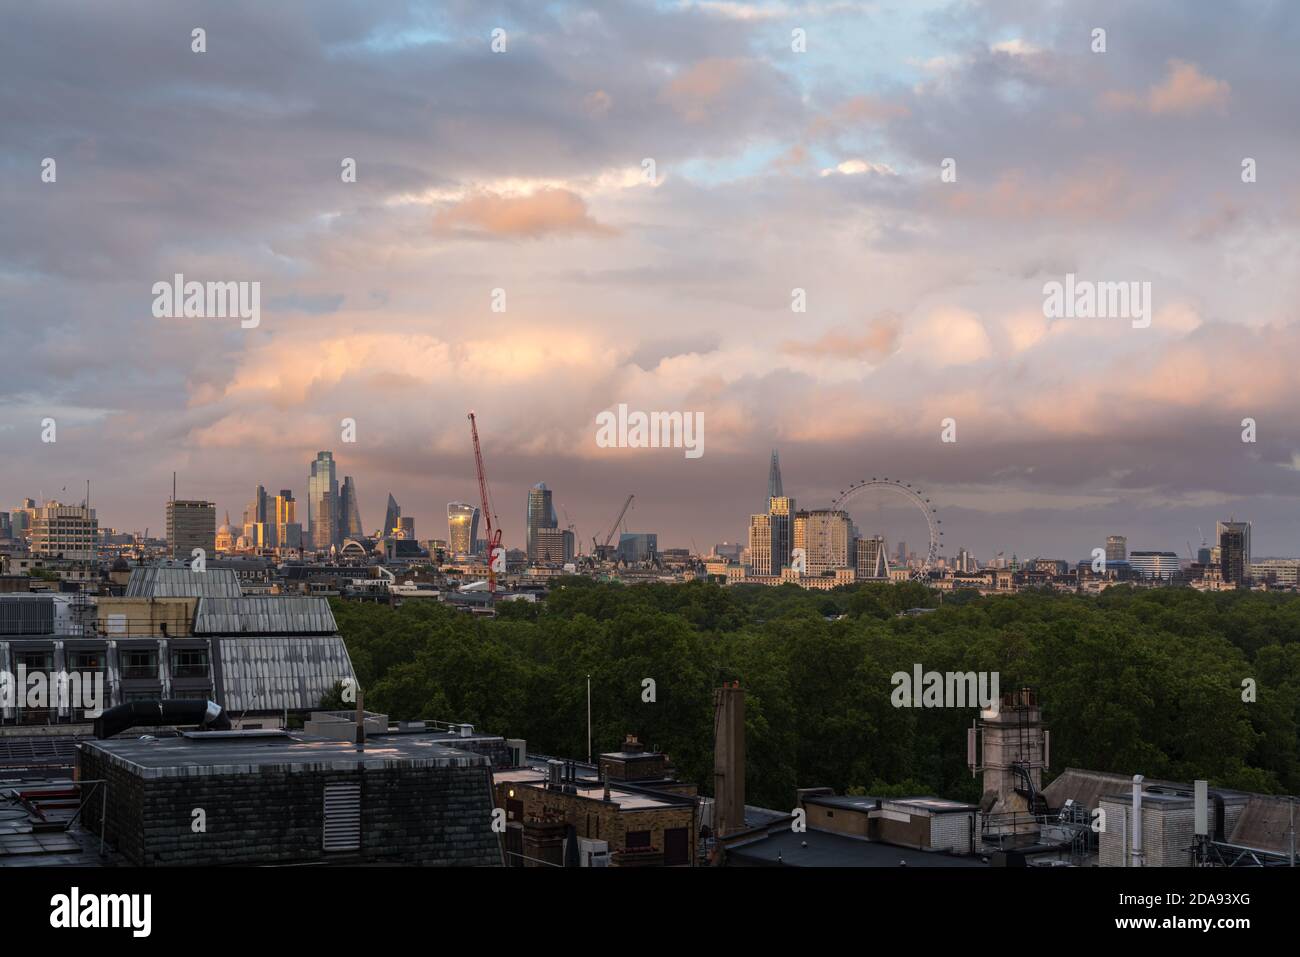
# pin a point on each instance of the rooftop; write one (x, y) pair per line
(199, 754)
(812, 848)
(163, 581)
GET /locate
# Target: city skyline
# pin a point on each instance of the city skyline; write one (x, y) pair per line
(775, 177)
(540, 506)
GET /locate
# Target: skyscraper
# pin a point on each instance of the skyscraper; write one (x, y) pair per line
(1116, 548)
(191, 524)
(68, 531)
(541, 514)
(1233, 551)
(392, 517)
(288, 533)
(462, 527)
(349, 514)
(774, 489)
(824, 535)
(1243, 529)
(871, 561)
(323, 503)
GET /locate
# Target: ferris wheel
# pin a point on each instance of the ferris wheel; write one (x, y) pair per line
(911, 494)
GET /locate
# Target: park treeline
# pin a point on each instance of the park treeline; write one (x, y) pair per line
(1133, 680)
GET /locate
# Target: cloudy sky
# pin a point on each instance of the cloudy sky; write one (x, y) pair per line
(773, 170)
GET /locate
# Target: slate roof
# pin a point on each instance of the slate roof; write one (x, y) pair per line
(153, 581)
(261, 674)
(265, 615)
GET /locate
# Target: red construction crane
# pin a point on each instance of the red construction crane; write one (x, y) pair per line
(489, 516)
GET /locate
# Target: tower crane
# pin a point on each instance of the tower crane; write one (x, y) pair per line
(489, 516)
(602, 549)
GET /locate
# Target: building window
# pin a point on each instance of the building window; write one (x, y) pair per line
(139, 664)
(87, 660)
(190, 663)
(637, 840)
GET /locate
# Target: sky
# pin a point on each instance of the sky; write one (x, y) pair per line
(667, 286)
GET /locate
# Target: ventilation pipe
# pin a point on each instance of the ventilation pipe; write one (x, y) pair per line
(1136, 847)
(208, 715)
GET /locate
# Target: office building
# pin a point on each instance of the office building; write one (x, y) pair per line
(552, 546)
(1116, 548)
(541, 515)
(67, 531)
(462, 528)
(191, 524)
(323, 503)
(638, 546)
(392, 517)
(349, 512)
(1239, 560)
(824, 535)
(871, 561)
(774, 487)
(1149, 564)
(1233, 551)
(405, 529)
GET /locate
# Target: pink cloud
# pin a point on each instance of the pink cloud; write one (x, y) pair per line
(1184, 90)
(545, 212)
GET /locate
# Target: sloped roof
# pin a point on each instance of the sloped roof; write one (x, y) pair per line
(164, 581)
(1265, 823)
(270, 674)
(1085, 787)
(265, 615)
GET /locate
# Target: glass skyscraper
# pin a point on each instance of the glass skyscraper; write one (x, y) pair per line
(462, 527)
(323, 503)
(349, 513)
(541, 514)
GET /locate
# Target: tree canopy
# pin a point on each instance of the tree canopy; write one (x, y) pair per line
(1134, 680)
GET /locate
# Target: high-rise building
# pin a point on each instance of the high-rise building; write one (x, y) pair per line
(349, 513)
(774, 489)
(1243, 529)
(541, 514)
(405, 529)
(1150, 564)
(782, 510)
(323, 503)
(760, 544)
(551, 546)
(1116, 549)
(637, 546)
(462, 527)
(871, 561)
(391, 517)
(1233, 551)
(67, 531)
(191, 524)
(824, 536)
(22, 518)
(771, 537)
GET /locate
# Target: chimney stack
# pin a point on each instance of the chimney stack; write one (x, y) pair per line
(729, 758)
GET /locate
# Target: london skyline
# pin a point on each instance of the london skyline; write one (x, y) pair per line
(773, 171)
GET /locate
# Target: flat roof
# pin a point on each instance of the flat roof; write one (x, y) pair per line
(812, 848)
(626, 799)
(935, 805)
(177, 757)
